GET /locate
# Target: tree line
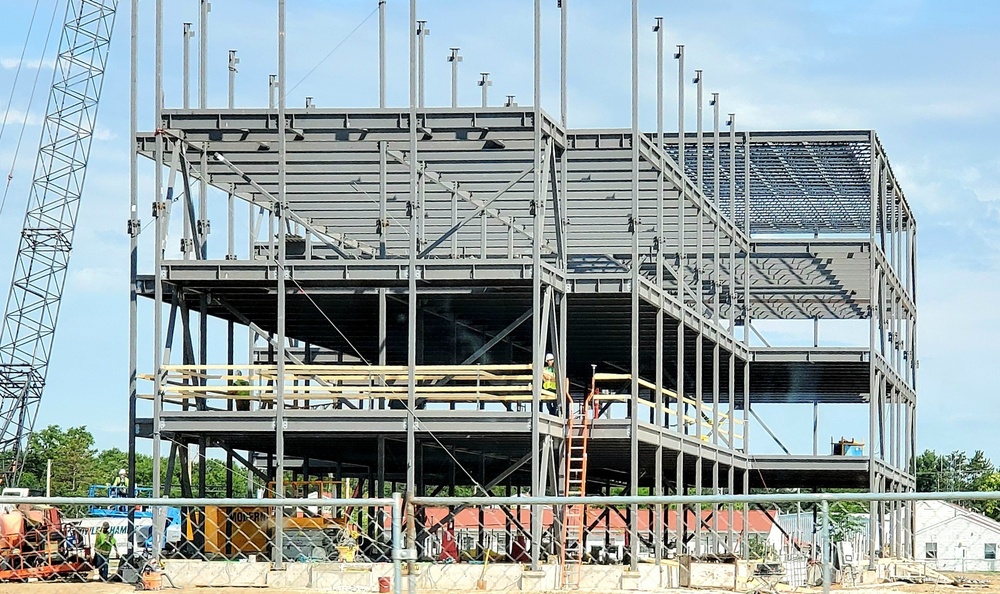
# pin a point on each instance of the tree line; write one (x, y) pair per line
(958, 471)
(77, 464)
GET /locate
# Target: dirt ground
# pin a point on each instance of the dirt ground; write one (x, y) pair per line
(975, 583)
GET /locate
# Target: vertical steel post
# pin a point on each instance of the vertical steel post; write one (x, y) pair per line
(454, 58)
(279, 392)
(716, 275)
(201, 227)
(233, 63)
(397, 540)
(746, 323)
(272, 83)
(422, 32)
(536, 287)
(681, 155)
(158, 213)
(206, 7)
(562, 197)
(815, 427)
(699, 370)
(563, 57)
(186, 67)
(730, 535)
(411, 317)
(381, 53)
(826, 546)
(485, 83)
(230, 199)
(873, 380)
(134, 228)
(658, 398)
(633, 527)
(681, 290)
(699, 157)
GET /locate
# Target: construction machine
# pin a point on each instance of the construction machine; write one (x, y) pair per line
(35, 543)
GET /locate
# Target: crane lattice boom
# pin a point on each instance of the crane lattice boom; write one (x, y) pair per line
(49, 222)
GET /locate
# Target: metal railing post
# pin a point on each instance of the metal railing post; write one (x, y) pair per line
(397, 543)
(411, 539)
(825, 506)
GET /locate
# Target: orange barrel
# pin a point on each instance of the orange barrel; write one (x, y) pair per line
(384, 585)
(152, 580)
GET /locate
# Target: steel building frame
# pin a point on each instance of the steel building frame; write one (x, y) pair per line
(428, 243)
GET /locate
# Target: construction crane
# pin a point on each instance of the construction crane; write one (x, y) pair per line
(49, 222)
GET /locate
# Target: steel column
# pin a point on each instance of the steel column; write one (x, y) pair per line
(661, 419)
(280, 270)
(536, 288)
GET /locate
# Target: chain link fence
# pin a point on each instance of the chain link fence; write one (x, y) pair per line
(321, 543)
(758, 543)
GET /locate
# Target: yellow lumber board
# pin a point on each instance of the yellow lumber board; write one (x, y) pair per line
(338, 367)
(611, 376)
(319, 388)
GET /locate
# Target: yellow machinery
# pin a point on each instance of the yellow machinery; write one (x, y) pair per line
(312, 532)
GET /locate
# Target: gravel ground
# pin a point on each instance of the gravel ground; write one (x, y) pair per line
(985, 583)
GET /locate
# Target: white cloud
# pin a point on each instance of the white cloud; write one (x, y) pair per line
(15, 116)
(12, 63)
(103, 134)
(98, 280)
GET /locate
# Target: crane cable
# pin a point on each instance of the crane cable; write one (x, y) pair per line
(333, 51)
(31, 99)
(17, 73)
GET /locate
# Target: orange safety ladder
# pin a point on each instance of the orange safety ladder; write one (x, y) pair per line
(575, 516)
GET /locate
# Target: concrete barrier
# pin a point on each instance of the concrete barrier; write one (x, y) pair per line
(355, 577)
(294, 575)
(189, 573)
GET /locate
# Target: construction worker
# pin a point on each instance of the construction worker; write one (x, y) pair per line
(549, 381)
(104, 544)
(549, 373)
(242, 402)
(119, 487)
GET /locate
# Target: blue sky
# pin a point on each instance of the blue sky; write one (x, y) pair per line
(921, 74)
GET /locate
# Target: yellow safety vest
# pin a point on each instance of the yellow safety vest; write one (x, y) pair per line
(549, 379)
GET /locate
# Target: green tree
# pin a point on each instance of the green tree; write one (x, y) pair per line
(76, 465)
(72, 454)
(991, 482)
(976, 470)
(846, 520)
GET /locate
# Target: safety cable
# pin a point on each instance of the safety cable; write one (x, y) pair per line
(335, 48)
(31, 100)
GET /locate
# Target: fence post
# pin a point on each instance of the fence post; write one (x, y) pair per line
(826, 546)
(397, 543)
(411, 542)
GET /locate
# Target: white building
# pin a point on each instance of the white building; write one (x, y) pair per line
(952, 538)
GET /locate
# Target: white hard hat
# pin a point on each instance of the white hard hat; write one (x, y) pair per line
(123, 471)
(549, 357)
